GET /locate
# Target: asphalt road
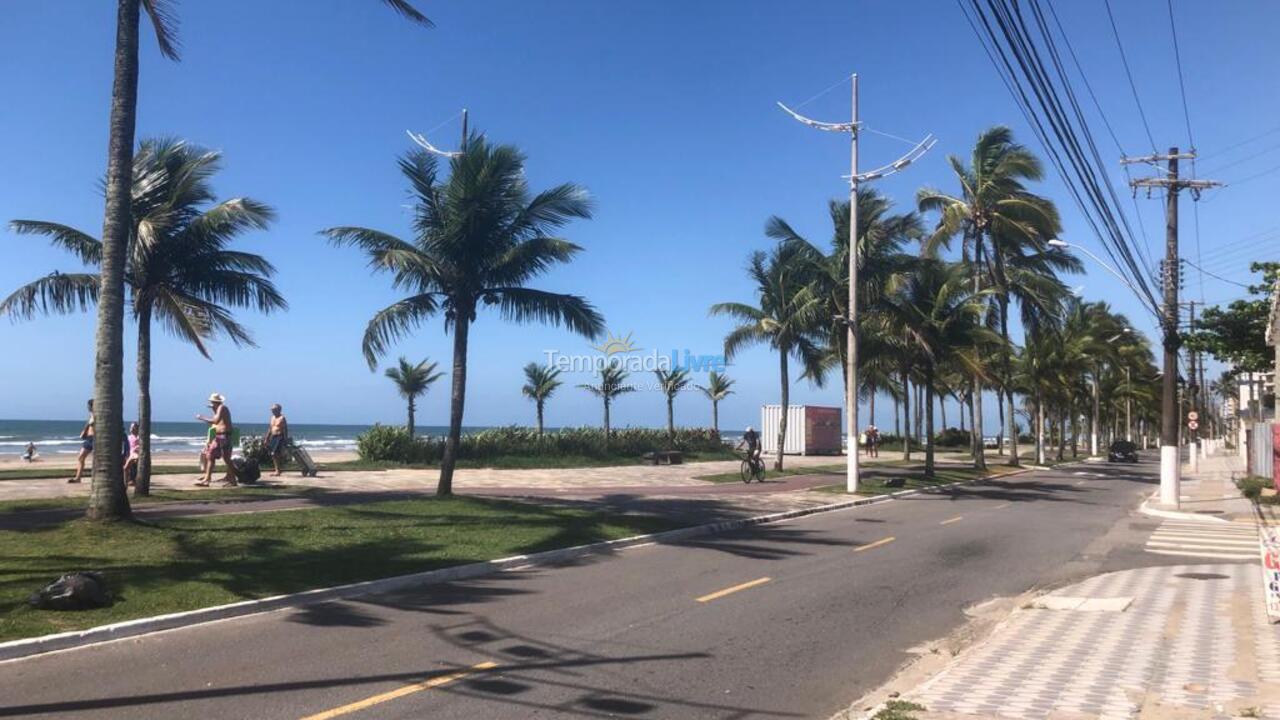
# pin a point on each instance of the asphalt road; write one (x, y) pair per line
(792, 620)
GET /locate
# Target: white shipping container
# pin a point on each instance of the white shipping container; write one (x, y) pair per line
(811, 429)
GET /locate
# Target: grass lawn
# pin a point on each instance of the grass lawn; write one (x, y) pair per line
(180, 564)
(244, 492)
(870, 484)
(526, 462)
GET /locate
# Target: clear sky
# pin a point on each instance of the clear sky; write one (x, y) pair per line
(664, 110)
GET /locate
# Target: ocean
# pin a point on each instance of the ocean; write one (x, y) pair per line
(62, 437)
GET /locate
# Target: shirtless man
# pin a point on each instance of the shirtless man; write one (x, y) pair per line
(221, 445)
(86, 446)
(277, 436)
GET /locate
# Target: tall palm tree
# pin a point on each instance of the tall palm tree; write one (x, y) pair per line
(107, 500)
(179, 269)
(613, 382)
(719, 386)
(672, 383)
(881, 263)
(998, 219)
(541, 381)
(479, 238)
(940, 315)
(789, 317)
(412, 381)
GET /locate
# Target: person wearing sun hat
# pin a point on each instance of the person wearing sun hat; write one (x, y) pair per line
(220, 446)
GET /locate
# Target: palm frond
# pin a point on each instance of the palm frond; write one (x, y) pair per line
(164, 19)
(394, 322)
(526, 305)
(55, 293)
(85, 247)
(408, 11)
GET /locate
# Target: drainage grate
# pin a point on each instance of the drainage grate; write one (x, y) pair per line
(1203, 576)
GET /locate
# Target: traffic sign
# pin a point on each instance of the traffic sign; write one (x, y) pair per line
(1193, 416)
(1193, 425)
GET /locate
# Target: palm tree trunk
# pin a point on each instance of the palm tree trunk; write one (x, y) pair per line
(142, 485)
(942, 406)
(1093, 424)
(906, 409)
(107, 499)
(928, 420)
(786, 399)
(919, 414)
(715, 417)
(1075, 434)
(462, 325)
(1062, 435)
(671, 419)
(897, 412)
(1000, 395)
(872, 404)
(606, 423)
(979, 452)
(1009, 412)
(409, 425)
(539, 406)
(1039, 429)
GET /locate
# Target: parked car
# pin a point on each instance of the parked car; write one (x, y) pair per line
(1122, 451)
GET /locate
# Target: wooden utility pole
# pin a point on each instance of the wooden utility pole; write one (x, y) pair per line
(1172, 184)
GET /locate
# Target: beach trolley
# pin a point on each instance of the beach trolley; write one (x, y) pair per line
(303, 457)
(811, 430)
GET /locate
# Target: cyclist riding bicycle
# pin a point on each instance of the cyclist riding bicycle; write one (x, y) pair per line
(751, 440)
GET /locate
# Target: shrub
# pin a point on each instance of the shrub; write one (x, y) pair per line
(393, 444)
(953, 437)
(1251, 487)
(254, 447)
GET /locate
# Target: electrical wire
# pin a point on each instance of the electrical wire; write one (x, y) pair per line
(1124, 59)
(1212, 275)
(1182, 85)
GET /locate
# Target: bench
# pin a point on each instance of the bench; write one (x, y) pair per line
(665, 457)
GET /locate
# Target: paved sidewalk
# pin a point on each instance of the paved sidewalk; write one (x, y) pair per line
(1172, 641)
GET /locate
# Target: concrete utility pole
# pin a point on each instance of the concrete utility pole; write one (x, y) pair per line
(851, 319)
(1193, 395)
(1170, 462)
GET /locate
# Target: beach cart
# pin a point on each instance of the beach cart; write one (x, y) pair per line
(303, 457)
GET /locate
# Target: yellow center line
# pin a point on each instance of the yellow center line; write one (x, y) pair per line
(730, 590)
(876, 544)
(1001, 506)
(400, 692)
(948, 521)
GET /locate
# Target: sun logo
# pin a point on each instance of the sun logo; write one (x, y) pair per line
(614, 345)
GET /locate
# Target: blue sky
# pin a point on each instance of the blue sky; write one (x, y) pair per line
(664, 110)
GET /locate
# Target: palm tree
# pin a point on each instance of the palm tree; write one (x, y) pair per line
(107, 500)
(881, 264)
(178, 267)
(998, 219)
(541, 382)
(789, 317)
(718, 387)
(939, 314)
(613, 382)
(411, 382)
(480, 236)
(672, 383)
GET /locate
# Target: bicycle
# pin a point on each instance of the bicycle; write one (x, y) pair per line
(752, 469)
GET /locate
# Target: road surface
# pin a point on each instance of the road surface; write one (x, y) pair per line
(792, 620)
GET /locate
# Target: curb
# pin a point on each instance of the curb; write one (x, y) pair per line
(27, 647)
(1146, 509)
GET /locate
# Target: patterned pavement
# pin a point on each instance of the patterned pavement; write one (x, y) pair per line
(1205, 539)
(1194, 640)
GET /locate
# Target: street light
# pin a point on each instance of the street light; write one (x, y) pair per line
(1170, 460)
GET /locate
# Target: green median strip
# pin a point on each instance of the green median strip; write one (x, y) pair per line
(172, 565)
(874, 484)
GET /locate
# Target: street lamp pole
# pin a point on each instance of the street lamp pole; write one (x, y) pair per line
(851, 318)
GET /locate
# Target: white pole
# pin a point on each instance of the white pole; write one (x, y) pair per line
(851, 481)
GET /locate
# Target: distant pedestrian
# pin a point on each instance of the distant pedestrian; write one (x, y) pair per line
(277, 436)
(873, 441)
(220, 446)
(86, 445)
(30, 453)
(133, 451)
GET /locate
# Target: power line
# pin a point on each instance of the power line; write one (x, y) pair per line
(1212, 275)
(1242, 143)
(1182, 85)
(1124, 59)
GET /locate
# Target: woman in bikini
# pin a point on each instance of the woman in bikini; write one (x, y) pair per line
(86, 446)
(220, 447)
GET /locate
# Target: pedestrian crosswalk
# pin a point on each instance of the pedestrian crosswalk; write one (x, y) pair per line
(1216, 540)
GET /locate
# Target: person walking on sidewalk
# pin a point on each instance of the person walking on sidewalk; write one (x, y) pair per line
(220, 447)
(277, 436)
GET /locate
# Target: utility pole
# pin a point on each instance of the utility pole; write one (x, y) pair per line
(463, 144)
(1170, 460)
(1193, 394)
(1128, 403)
(850, 320)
